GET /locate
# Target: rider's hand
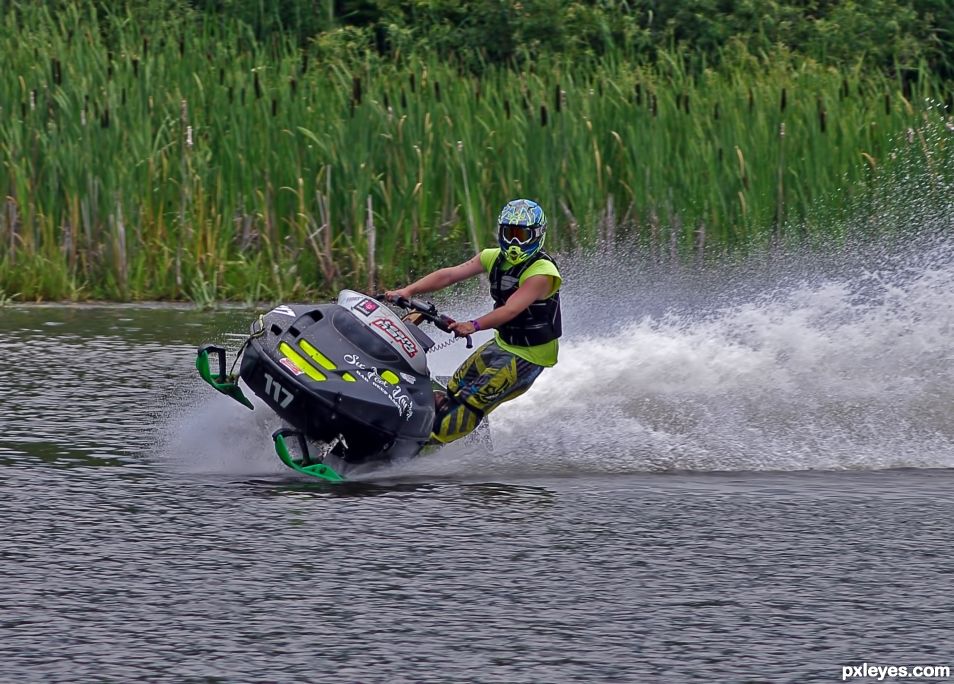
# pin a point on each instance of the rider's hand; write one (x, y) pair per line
(463, 328)
(394, 295)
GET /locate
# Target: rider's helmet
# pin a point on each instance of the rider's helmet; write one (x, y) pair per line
(522, 229)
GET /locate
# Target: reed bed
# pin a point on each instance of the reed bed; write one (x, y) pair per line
(194, 163)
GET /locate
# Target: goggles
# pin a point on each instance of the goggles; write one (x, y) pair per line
(521, 235)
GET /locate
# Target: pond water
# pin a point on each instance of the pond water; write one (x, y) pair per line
(759, 493)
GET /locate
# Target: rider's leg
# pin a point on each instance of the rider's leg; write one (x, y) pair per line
(487, 379)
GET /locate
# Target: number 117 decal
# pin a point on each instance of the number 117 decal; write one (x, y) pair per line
(273, 389)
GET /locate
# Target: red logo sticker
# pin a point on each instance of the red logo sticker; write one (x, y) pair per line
(367, 306)
(290, 365)
(396, 334)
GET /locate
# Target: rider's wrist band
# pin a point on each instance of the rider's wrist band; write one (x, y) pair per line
(475, 324)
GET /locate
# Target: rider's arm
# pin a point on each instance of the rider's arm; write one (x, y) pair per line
(533, 288)
(441, 278)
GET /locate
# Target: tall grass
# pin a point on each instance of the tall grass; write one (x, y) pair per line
(195, 163)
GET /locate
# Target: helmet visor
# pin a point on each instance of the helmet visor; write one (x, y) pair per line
(520, 235)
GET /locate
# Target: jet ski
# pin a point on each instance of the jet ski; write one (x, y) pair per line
(349, 379)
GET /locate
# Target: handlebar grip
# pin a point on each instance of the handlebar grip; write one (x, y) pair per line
(443, 322)
(400, 301)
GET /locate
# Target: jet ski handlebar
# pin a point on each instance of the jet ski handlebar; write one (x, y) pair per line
(427, 310)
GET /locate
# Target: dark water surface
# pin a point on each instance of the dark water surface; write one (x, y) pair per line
(149, 535)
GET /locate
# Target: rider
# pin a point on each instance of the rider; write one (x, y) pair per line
(525, 288)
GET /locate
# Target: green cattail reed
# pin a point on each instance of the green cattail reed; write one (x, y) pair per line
(371, 236)
(122, 267)
(208, 172)
(780, 198)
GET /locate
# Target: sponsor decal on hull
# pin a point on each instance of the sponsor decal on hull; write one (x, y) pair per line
(396, 395)
(391, 329)
(366, 307)
(290, 365)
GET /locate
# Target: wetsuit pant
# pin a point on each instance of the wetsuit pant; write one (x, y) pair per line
(487, 379)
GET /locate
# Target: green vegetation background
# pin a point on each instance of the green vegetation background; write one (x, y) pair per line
(244, 149)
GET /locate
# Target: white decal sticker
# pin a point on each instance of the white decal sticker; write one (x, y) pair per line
(283, 310)
(395, 395)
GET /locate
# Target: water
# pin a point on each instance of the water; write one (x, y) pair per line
(740, 475)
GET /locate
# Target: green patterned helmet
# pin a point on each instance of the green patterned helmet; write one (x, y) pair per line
(522, 230)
